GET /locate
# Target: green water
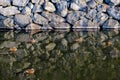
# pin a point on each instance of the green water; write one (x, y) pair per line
(58, 56)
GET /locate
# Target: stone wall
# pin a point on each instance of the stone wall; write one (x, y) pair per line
(59, 14)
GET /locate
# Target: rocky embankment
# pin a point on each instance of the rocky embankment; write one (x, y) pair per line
(57, 14)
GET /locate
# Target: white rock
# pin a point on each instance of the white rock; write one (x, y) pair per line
(49, 7)
(20, 2)
(5, 2)
(8, 11)
(74, 6)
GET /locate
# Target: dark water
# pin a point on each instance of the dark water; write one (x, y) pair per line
(60, 55)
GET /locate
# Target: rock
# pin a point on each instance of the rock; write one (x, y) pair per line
(72, 17)
(8, 44)
(2, 17)
(36, 1)
(40, 19)
(33, 26)
(60, 25)
(74, 6)
(75, 46)
(82, 3)
(62, 8)
(53, 17)
(64, 42)
(46, 27)
(9, 23)
(99, 1)
(84, 23)
(50, 46)
(102, 8)
(20, 2)
(112, 2)
(22, 20)
(111, 23)
(30, 5)
(26, 10)
(22, 37)
(37, 8)
(100, 18)
(114, 12)
(91, 14)
(49, 7)
(5, 2)
(91, 4)
(8, 11)
(55, 1)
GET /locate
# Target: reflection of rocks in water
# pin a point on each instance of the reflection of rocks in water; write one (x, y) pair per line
(60, 55)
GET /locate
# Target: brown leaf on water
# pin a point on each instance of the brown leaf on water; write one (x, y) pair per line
(13, 49)
(30, 71)
(79, 40)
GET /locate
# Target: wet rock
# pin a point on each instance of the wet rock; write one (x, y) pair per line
(114, 12)
(37, 8)
(20, 2)
(26, 10)
(100, 18)
(112, 2)
(49, 7)
(50, 46)
(9, 23)
(22, 20)
(75, 46)
(22, 37)
(53, 17)
(72, 17)
(64, 42)
(8, 11)
(111, 23)
(40, 19)
(9, 35)
(91, 14)
(8, 44)
(60, 25)
(91, 3)
(74, 6)
(62, 8)
(5, 2)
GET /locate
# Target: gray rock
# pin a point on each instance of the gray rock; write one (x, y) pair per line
(91, 3)
(50, 46)
(5, 2)
(102, 7)
(22, 37)
(53, 17)
(8, 11)
(99, 1)
(62, 8)
(20, 2)
(74, 6)
(40, 19)
(9, 23)
(35, 1)
(114, 12)
(49, 7)
(64, 42)
(60, 25)
(84, 23)
(82, 3)
(111, 23)
(37, 8)
(22, 20)
(8, 44)
(30, 5)
(100, 18)
(2, 17)
(75, 46)
(112, 2)
(91, 14)
(72, 17)
(46, 27)
(26, 10)
(33, 26)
